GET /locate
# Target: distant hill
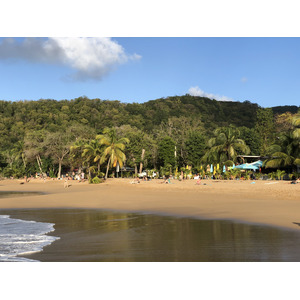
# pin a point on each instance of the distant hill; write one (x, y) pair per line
(283, 109)
(17, 117)
(211, 112)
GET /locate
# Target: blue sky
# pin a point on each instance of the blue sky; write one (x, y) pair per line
(262, 70)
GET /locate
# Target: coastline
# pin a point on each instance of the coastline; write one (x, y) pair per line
(274, 203)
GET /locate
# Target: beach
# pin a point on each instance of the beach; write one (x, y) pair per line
(274, 203)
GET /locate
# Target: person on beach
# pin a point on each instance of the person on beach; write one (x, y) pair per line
(294, 180)
(66, 183)
(135, 181)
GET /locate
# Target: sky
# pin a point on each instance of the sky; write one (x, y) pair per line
(138, 69)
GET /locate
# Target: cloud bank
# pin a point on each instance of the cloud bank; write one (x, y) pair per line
(196, 91)
(90, 58)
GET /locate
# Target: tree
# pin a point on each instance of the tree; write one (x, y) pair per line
(20, 150)
(76, 153)
(251, 138)
(93, 151)
(34, 146)
(139, 140)
(195, 147)
(57, 145)
(296, 126)
(283, 122)
(166, 152)
(178, 128)
(225, 146)
(113, 148)
(286, 151)
(265, 128)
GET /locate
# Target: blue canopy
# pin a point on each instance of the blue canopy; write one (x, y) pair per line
(258, 163)
(246, 167)
(252, 166)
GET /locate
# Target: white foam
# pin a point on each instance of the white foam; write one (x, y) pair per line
(20, 237)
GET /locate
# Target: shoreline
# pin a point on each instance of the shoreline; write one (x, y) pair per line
(273, 203)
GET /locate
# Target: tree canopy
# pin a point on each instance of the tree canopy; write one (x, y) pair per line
(50, 136)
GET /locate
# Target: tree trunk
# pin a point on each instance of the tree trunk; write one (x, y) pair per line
(107, 168)
(142, 159)
(59, 168)
(24, 161)
(37, 159)
(40, 160)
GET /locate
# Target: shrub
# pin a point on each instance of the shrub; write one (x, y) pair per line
(96, 180)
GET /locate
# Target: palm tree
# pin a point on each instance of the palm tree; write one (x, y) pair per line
(224, 147)
(113, 148)
(93, 150)
(285, 153)
(76, 151)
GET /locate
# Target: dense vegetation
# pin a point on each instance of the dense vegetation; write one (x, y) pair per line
(97, 136)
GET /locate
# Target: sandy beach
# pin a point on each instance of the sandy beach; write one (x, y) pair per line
(275, 203)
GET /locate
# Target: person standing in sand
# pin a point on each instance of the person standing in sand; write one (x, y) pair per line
(66, 183)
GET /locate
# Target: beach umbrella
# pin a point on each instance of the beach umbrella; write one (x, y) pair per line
(214, 171)
(218, 166)
(211, 168)
(224, 169)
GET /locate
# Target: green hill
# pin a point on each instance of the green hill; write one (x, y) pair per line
(53, 115)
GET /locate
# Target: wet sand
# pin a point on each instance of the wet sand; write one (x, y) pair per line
(275, 203)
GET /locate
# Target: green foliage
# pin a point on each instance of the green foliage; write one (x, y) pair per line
(49, 135)
(195, 148)
(139, 140)
(113, 148)
(251, 138)
(285, 153)
(265, 128)
(225, 145)
(96, 180)
(166, 152)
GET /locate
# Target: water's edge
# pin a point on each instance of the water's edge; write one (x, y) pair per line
(105, 235)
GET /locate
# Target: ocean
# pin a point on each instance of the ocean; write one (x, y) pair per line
(108, 236)
(20, 237)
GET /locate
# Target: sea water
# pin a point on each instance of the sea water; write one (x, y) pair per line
(20, 237)
(109, 236)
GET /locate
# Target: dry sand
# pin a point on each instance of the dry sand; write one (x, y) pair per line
(275, 203)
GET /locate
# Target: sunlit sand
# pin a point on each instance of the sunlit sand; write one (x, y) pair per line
(275, 203)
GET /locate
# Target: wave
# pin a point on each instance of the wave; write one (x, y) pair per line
(20, 237)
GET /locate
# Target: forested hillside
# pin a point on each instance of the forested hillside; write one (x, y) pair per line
(188, 122)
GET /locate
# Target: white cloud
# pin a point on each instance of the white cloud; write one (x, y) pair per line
(91, 58)
(196, 91)
(244, 79)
